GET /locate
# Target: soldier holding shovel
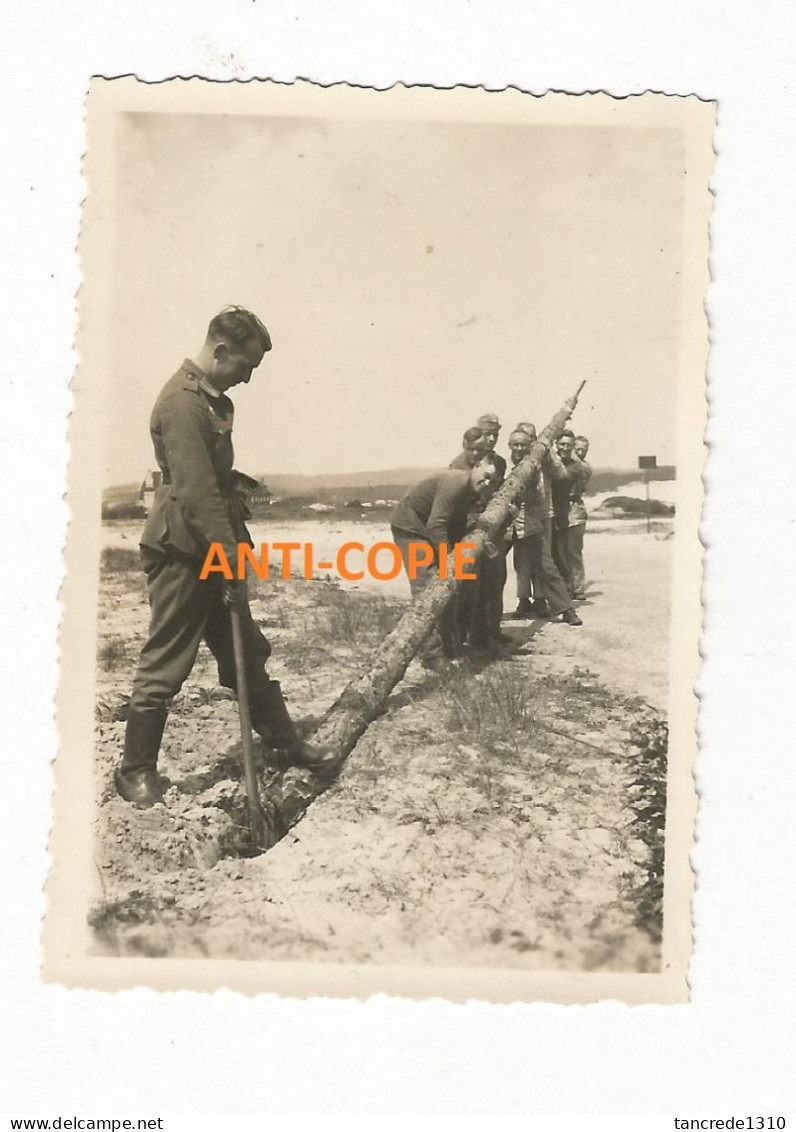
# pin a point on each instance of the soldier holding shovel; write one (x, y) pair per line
(196, 505)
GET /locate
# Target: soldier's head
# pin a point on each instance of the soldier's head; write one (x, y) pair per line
(482, 477)
(581, 447)
(527, 426)
(474, 446)
(235, 344)
(520, 445)
(566, 444)
(490, 427)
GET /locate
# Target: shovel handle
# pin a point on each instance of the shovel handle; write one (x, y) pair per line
(253, 805)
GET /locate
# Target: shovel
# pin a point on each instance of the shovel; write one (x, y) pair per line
(257, 823)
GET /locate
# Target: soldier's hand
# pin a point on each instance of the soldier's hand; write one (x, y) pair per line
(235, 593)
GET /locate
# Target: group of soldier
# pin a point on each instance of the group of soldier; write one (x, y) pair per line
(545, 533)
(199, 503)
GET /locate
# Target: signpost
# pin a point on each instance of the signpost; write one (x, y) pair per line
(645, 463)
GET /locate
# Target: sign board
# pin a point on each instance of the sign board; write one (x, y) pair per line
(647, 462)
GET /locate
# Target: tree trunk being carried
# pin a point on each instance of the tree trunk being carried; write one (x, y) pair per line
(288, 795)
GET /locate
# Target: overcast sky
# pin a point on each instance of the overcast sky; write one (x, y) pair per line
(412, 276)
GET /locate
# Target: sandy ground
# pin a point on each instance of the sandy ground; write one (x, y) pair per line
(497, 814)
(624, 638)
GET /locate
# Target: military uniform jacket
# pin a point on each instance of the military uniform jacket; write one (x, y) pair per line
(191, 430)
(577, 508)
(566, 483)
(436, 508)
(459, 461)
(479, 504)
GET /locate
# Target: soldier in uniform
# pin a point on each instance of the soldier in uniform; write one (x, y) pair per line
(474, 448)
(490, 427)
(577, 519)
(493, 567)
(530, 532)
(436, 511)
(566, 479)
(197, 504)
(481, 600)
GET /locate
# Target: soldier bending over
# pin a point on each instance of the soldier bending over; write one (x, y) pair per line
(434, 512)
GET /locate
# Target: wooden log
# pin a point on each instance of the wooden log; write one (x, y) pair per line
(289, 794)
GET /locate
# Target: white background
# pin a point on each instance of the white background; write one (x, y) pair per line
(732, 1049)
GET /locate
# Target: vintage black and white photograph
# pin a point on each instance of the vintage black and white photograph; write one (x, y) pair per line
(382, 604)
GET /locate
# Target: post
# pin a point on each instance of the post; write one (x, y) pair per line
(645, 463)
(647, 483)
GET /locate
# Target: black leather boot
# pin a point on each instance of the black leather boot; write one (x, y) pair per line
(284, 747)
(136, 777)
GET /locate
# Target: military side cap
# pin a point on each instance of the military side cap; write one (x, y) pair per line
(488, 422)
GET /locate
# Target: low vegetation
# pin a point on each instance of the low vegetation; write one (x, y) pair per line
(499, 703)
(343, 616)
(497, 813)
(113, 653)
(629, 505)
(119, 560)
(125, 510)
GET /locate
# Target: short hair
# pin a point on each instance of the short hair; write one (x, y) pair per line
(526, 426)
(238, 325)
(472, 434)
(583, 438)
(567, 432)
(519, 432)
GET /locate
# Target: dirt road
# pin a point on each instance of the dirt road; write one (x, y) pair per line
(625, 634)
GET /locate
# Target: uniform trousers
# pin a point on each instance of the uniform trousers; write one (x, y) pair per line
(577, 571)
(491, 586)
(533, 560)
(185, 611)
(448, 624)
(561, 554)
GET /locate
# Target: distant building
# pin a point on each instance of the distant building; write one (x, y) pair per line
(152, 481)
(260, 494)
(149, 485)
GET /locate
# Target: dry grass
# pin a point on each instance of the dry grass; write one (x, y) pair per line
(499, 700)
(119, 560)
(351, 618)
(113, 653)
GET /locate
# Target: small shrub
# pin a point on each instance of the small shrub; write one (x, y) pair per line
(650, 740)
(113, 652)
(119, 560)
(352, 618)
(498, 701)
(123, 511)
